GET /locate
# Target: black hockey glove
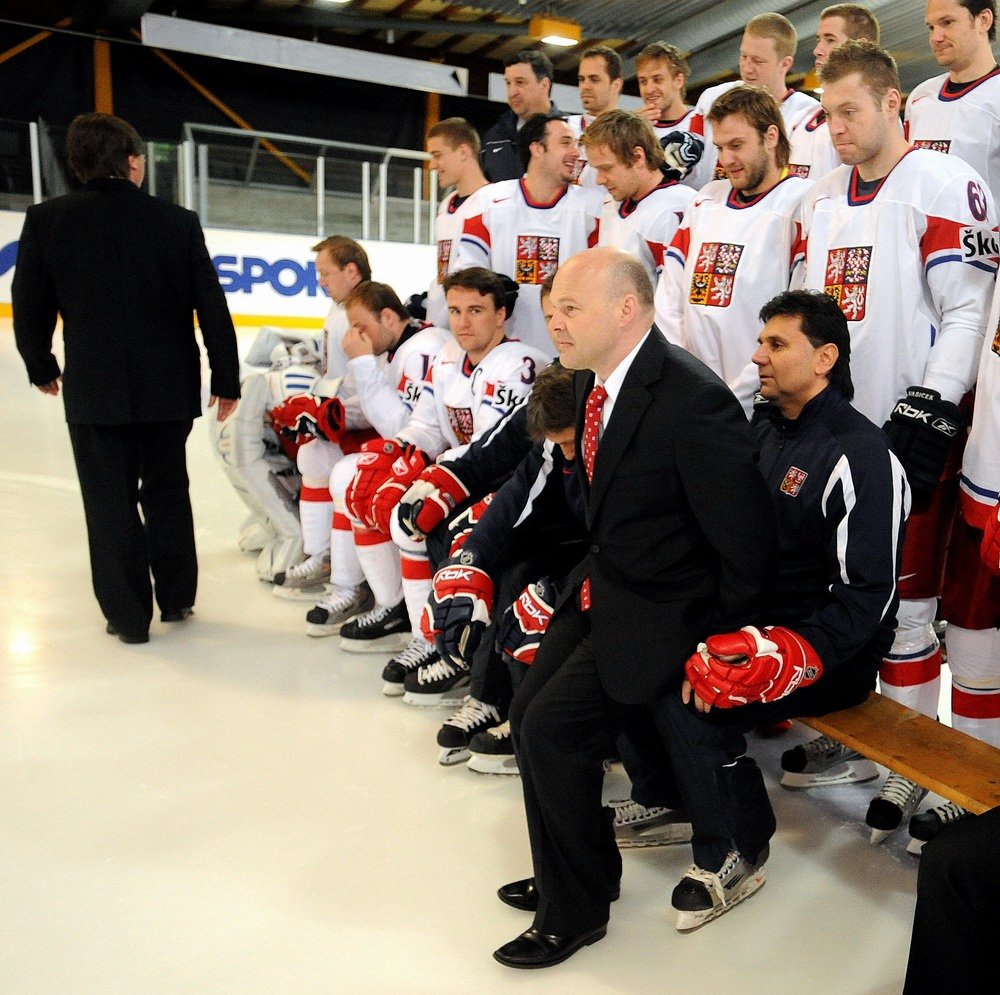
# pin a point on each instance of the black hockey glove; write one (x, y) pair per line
(682, 151)
(921, 429)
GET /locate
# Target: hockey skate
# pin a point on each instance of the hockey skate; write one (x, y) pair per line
(927, 825)
(312, 573)
(617, 787)
(637, 826)
(382, 629)
(702, 896)
(342, 603)
(441, 684)
(892, 806)
(417, 653)
(491, 751)
(823, 762)
(455, 735)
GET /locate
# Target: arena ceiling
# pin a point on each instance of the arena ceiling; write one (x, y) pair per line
(480, 36)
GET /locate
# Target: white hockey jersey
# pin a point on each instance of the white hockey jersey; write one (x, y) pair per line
(460, 400)
(795, 108)
(583, 175)
(727, 260)
(963, 121)
(389, 386)
(528, 241)
(813, 154)
(980, 479)
(912, 265)
(451, 216)
(645, 227)
(334, 327)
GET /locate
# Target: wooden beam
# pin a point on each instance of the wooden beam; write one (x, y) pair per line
(33, 40)
(104, 101)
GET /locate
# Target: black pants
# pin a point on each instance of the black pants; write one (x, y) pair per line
(956, 920)
(563, 725)
(122, 468)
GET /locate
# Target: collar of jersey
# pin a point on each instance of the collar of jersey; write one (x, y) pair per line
(628, 205)
(967, 88)
(533, 203)
(736, 204)
(854, 198)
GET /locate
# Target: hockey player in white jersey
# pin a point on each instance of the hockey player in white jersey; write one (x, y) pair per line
(473, 383)
(738, 244)
(453, 145)
(958, 112)
(532, 225)
(905, 240)
(662, 73)
(599, 78)
(767, 51)
(643, 207)
(390, 356)
(341, 264)
(813, 154)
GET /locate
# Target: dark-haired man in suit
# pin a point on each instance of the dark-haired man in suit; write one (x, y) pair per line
(127, 272)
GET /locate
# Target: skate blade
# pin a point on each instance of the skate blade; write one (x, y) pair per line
(390, 645)
(317, 631)
(483, 763)
(915, 847)
(687, 921)
(849, 772)
(617, 787)
(881, 835)
(313, 593)
(679, 832)
(391, 690)
(452, 755)
(452, 698)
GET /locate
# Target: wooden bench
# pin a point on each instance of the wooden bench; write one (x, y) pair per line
(935, 756)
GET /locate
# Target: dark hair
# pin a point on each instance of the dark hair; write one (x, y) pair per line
(375, 297)
(541, 64)
(344, 250)
(875, 66)
(551, 403)
(612, 60)
(456, 131)
(976, 7)
(533, 130)
(759, 109)
(483, 281)
(822, 321)
(99, 145)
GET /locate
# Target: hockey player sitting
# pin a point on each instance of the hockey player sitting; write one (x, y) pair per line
(841, 498)
(473, 383)
(389, 356)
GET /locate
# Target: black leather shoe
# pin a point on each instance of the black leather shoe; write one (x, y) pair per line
(534, 949)
(125, 637)
(524, 895)
(176, 614)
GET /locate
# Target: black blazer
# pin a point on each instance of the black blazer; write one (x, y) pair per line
(126, 271)
(682, 536)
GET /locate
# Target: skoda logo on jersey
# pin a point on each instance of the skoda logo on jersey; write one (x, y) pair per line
(978, 243)
(287, 277)
(500, 393)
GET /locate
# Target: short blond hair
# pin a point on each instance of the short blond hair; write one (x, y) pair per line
(778, 28)
(875, 66)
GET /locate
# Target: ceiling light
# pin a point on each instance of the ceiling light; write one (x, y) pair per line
(554, 30)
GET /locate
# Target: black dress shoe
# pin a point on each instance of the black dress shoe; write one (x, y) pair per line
(126, 637)
(534, 949)
(176, 614)
(524, 895)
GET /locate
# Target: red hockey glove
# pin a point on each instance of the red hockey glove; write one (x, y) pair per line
(459, 609)
(737, 668)
(307, 415)
(462, 525)
(431, 498)
(990, 549)
(525, 621)
(385, 499)
(374, 467)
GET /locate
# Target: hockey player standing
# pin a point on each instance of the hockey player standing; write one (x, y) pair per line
(905, 240)
(738, 244)
(600, 81)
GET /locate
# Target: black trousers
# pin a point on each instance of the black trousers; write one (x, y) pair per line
(956, 920)
(562, 726)
(121, 469)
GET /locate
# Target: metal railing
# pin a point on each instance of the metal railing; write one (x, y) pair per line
(254, 180)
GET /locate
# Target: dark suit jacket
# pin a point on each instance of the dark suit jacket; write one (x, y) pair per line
(682, 537)
(126, 271)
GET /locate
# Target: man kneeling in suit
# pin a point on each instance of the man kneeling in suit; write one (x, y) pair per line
(666, 458)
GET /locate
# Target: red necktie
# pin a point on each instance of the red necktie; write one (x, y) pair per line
(592, 427)
(591, 430)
